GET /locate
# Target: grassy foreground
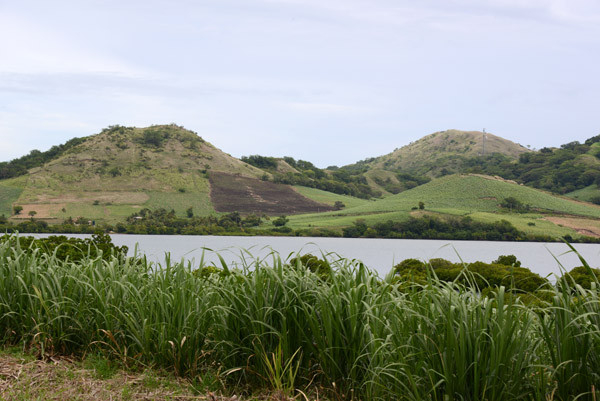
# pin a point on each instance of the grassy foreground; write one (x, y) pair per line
(276, 327)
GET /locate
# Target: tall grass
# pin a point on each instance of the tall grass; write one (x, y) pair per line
(276, 325)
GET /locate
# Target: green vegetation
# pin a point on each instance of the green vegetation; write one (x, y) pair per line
(107, 176)
(432, 227)
(505, 272)
(473, 193)
(478, 197)
(590, 193)
(341, 332)
(68, 249)
(303, 173)
(35, 158)
(104, 178)
(442, 153)
(329, 198)
(571, 167)
(8, 195)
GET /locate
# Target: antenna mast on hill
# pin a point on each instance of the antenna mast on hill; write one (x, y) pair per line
(483, 150)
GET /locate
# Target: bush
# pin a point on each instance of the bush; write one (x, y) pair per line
(72, 249)
(280, 221)
(476, 275)
(508, 260)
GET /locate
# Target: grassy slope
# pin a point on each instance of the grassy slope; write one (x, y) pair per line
(10, 190)
(585, 194)
(429, 151)
(458, 195)
(329, 197)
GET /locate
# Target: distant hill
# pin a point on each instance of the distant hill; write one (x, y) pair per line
(443, 152)
(110, 175)
(567, 169)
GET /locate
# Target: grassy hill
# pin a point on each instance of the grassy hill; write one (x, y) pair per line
(443, 150)
(121, 170)
(586, 194)
(466, 195)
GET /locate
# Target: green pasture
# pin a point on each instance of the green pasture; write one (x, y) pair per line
(330, 198)
(585, 194)
(9, 193)
(523, 223)
(181, 201)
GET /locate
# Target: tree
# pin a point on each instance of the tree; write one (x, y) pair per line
(339, 205)
(513, 203)
(32, 213)
(17, 209)
(507, 260)
(190, 212)
(280, 221)
(153, 137)
(421, 205)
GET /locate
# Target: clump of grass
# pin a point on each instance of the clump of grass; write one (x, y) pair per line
(273, 324)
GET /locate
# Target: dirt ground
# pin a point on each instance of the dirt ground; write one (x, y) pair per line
(233, 193)
(588, 227)
(43, 211)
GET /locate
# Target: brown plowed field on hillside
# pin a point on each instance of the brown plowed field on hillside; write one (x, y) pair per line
(234, 193)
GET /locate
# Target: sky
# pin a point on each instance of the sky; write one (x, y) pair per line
(328, 81)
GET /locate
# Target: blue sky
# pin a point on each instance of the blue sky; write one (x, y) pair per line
(332, 82)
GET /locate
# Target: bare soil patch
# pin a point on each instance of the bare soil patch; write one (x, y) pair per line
(43, 211)
(588, 227)
(116, 197)
(234, 193)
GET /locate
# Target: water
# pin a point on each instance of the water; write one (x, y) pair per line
(378, 254)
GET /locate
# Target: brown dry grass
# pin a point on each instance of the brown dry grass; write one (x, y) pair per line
(66, 380)
(588, 227)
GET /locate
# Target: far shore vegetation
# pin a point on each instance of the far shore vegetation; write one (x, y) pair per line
(163, 222)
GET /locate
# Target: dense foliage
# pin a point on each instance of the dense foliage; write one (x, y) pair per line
(572, 166)
(278, 326)
(339, 181)
(432, 227)
(35, 158)
(478, 275)
(404, 181)
(162, 221)
(68, 249)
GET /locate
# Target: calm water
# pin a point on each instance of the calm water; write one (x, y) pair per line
(378, 254)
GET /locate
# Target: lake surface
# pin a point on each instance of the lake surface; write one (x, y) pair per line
(378, 254)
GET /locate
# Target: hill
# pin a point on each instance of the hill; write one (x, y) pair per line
(480, 197)
(442, 152)
(121, 170)
(574, 166)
